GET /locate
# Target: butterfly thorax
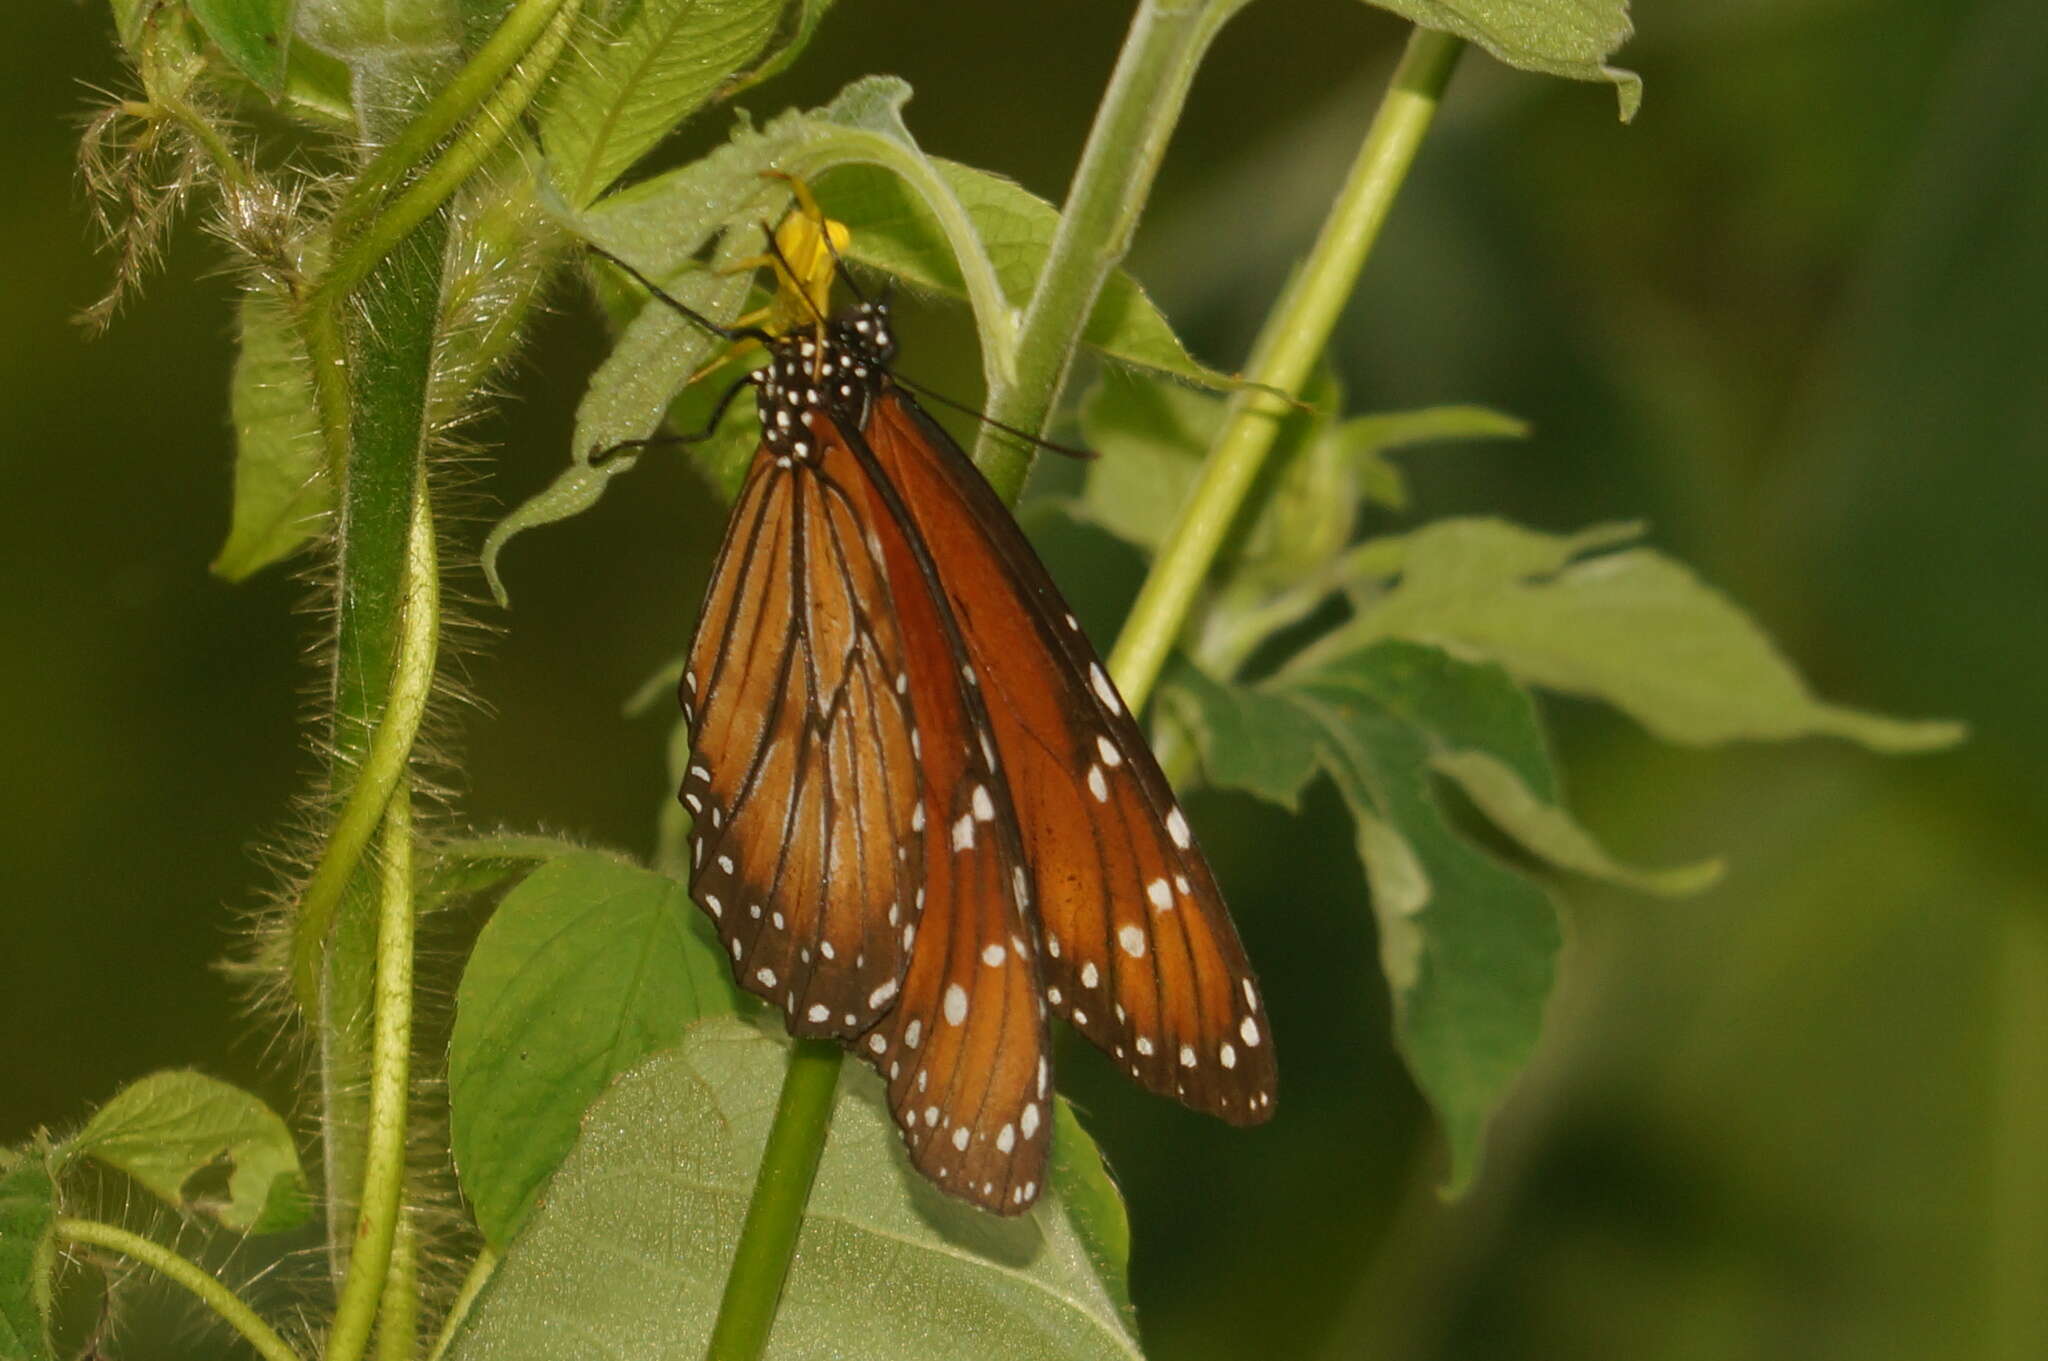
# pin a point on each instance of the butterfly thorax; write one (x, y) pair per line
(839, 374)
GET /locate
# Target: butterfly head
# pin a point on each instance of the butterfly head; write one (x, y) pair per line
(864, 333)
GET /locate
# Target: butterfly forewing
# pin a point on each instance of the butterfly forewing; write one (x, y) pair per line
(802, 784)
(1140, 953)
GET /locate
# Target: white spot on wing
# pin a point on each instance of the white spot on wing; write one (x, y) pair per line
(963, 832)
(1177, 827)
(1160, 894)
(1103, 689)
(956, 1003)
(1133, 941)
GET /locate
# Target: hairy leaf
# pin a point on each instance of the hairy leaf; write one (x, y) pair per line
(628, 1255)
(1633, 628)
(481, 863)
(28, 1208)
(1570, 38)
(586, 968)
(282, 495)
(630, 86)
(175, 1131)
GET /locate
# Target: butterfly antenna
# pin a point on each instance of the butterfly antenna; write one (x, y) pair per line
(726, 332)
(1085, 455)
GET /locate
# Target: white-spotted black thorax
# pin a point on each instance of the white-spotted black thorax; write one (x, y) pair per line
(839, 376)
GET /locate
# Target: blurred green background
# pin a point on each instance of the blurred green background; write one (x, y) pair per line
(1796, 317)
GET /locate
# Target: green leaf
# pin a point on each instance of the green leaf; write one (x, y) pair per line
(895, 231)
(1248, 739)
(586, 968)
(28, 1209)
(1086, 1190)
(1364, 442)
(1571, 38)
(479, 864)
(627, 89)
(634, 385)
(799, 24)
(169, 1128)
(1468, 946)
(1151, 437)
(255, 35)
(1546, 830)
(282, 495)
(1633, 628)
(1467, 943)
(628, 1255)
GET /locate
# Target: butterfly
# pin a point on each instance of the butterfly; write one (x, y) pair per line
(923, 819)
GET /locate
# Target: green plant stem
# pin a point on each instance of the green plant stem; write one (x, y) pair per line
(1287, 349)
(767, 1242)
(382, 1207)
(477, 82)
(383, 767)
(185, 1272)
(472, 1285)
(356, 256)
(1138, 113)
(398, 1312)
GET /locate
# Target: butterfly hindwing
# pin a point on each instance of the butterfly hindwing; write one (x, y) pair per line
(1140, 953)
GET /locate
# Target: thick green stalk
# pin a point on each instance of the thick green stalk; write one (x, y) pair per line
(185, 1272)
(1286, 351)
(390, 346)
(477, 82)
(382, 1205)
(789, 1161)
(1137, 116)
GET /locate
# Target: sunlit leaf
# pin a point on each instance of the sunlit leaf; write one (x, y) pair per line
(282, 496)
(628, 1254)
(1632, 628)
(28, 1209)
(629, 87)
(586, 968)
(1570, 38)
(177, 1131)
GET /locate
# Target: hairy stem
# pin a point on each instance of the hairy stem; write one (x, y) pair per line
(1286, 350)
(496, 118)
(472, 1285)
(1138, 113)
(382, 1204)
(182, 1271)
(789, 1161)
(463, 95)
